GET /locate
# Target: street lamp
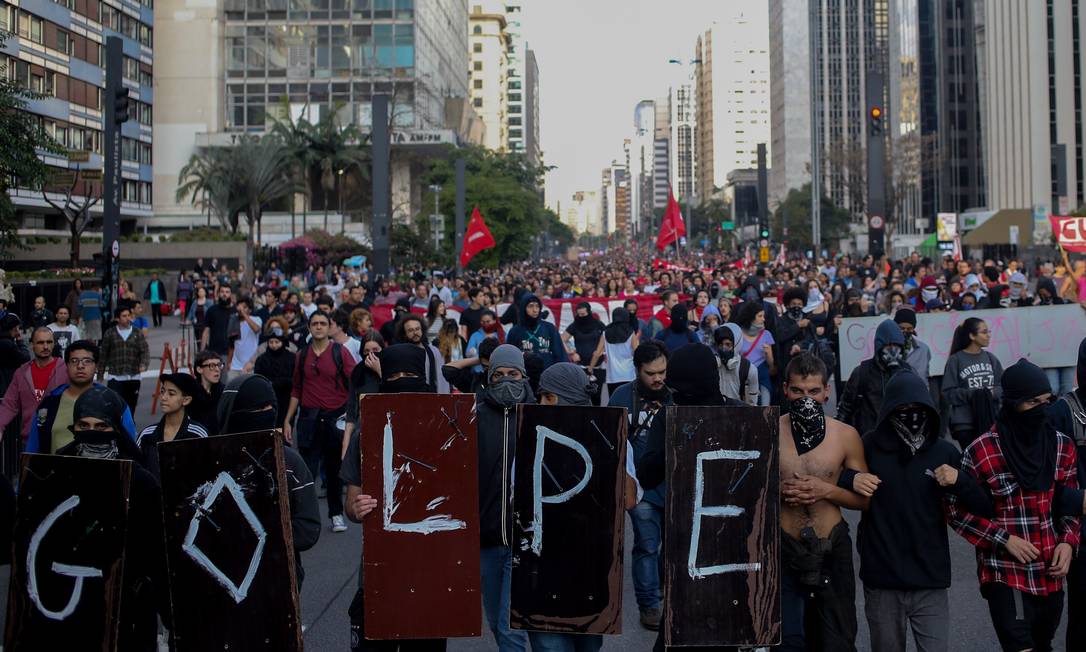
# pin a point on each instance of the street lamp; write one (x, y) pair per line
(436, 225)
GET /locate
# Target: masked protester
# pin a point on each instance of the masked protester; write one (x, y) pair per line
(276, 363)
(616, 345)
(533, 334)
(1025, 551)
(862, 396)
(902, 542)
(497, 430)
(248, 404)
(645, 399)
(403, 370)
(917, 353)
(677, 334)
(738, 377)
(98, 429)
(971, 381)
(818, 590)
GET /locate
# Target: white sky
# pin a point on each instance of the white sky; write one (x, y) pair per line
(597, 60)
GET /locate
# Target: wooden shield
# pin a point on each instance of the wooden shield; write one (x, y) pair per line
(568, 519)
(722, 549)
(421, 545)
(229, 543)
(65, 590)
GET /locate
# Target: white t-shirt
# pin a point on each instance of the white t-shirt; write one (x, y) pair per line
(246, 345)
(355, 348)
(309, 309)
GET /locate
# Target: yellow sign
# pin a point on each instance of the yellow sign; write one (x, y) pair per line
(946, 226)
(77, 156)
(91, 175)
(763, 254)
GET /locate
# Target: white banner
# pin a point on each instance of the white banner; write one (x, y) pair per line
(1048, 336)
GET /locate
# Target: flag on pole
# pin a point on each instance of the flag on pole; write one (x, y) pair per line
(476, 239)
(1070, 232)
(673, 227)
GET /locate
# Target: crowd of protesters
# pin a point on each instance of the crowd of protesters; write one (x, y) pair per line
(983, 449)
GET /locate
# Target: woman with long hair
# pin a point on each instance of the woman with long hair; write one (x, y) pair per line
(757, 345)
(435, 317)
(198, 313)
(971, 381)
(449, 342)
(361, 323)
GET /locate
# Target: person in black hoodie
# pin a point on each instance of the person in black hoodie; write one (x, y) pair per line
(276, 363)
(903, 542)
(859, 403)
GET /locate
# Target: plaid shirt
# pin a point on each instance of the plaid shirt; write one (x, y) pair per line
(1025, 514)
(122, 357)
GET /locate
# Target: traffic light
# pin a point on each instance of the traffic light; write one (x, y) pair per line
(764, 232)
(875, 120)
(120, 106)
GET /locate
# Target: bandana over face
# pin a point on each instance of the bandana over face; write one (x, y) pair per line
(808, 423)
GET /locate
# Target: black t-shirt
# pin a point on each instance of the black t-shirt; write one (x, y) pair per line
(585, 341)
(471, 318)
(217, 322)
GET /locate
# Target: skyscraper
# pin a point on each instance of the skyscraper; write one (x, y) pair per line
(489, 73)
(57, 49)
(790, 97)
(682, 154)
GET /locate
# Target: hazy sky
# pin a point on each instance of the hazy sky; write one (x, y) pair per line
(597, 60)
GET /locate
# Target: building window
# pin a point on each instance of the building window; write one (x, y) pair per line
(64, 44)
(478, 83)
(478, 102)
(478, 29)
(477, 66)
(477, 48)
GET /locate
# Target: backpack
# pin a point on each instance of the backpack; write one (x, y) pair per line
(337, 357)
(1078, 417)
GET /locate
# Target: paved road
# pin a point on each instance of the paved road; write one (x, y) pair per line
(332, 576)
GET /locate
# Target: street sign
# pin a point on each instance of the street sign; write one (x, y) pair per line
(1014, 234)
(91, 174)
(727, 226)
(876, 221)
(116, 248)
(79, 156)
(763, 254)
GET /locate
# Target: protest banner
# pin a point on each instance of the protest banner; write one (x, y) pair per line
(1047, 335)
(568, 519)
(229, 544)
(69, 539)
(420, 570)
(1070, 232)
(722, 551)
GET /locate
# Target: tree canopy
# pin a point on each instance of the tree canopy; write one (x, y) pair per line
(796, 208)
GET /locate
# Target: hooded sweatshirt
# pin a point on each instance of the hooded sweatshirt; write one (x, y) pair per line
(678, 334)
(536, 335)
(902, 540)
(1064, 415)
(862, 397)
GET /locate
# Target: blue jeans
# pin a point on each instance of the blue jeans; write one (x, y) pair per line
(496, 563)
(556, 642)
(646, 558)
(1062, 379)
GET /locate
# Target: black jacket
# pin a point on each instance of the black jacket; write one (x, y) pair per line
(903, 541)
(13, 354)
(278, 367)
(161, 291)
(497, 431)
(861, 400)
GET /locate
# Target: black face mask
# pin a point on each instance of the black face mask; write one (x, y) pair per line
(911, 425)
(251, 420)
(808, 423)
(796, 313)
(726, 355)
(891, 356)
(404, 385)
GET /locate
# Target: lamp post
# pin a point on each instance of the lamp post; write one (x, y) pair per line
(435, 218)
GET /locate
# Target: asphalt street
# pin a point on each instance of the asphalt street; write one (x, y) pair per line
(332, 576)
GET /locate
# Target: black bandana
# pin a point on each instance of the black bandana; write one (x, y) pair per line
(808, 423)
(911, 425)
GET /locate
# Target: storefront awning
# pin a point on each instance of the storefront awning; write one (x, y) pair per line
(997, 229)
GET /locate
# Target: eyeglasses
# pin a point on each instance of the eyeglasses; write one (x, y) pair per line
(81, 362)
(212, 365)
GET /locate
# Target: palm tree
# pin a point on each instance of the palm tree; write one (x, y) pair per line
(294, 134)
(337, 149)
(205, 178)
(260, 175)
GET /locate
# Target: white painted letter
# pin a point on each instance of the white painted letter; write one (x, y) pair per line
(700, 511)
(542, 434)
(428, 525)
(78, 572)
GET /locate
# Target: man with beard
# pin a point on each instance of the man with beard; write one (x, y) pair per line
(32, 382)
(860, 401)
(532, 334)
(248, 405)
(98, 432)
(217, 323)
(902, 541)
(1024, 551)
(403, 369)
(818, 587)
(645, 399)
(411, 330)
(507, 385)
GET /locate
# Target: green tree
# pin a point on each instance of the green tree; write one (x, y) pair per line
(504, 186)
(336, 150)
(205, 179)
(295, 136)
(796, 209)
(20, 142)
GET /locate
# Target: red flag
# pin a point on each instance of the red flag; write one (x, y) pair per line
(673, 226)
(476, 239)
(1070, 232)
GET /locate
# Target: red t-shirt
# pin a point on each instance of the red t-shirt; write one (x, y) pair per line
(41, 376)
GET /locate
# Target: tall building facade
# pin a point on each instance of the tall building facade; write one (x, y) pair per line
(488, 76)
(238, 66)
(57, 50)
(518, 80)
(682, 154)
(1020, 135)
(733, 96)
(583, 213)
(790, 97)
(661, 157)
(531, 107)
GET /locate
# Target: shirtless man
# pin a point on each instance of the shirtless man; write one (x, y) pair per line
(818, 596)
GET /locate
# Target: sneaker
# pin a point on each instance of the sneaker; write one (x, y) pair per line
(340, 525)
(650, 619)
